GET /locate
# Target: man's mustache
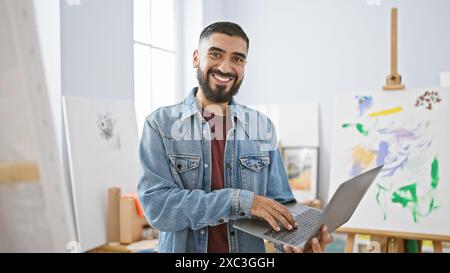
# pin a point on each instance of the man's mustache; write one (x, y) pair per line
(219, 73)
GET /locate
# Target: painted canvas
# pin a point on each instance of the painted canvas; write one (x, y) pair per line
(103, 140)
(301, 168)
(408, 132)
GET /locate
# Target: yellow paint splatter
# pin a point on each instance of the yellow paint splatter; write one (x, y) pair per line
(387, 112)
(363, 156)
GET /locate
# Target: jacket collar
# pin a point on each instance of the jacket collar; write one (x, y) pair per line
(190, 108)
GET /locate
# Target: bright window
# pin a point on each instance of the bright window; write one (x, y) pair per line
(154, 56)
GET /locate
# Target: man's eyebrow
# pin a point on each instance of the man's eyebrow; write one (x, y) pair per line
(213, 48)
(240, 54)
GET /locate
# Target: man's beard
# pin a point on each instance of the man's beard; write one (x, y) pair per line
(219, 94)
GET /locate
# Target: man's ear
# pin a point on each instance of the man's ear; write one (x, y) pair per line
(195, 61)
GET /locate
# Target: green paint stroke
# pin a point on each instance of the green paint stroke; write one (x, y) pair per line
(407, 195)
(360, 127)
(434, 173)
(346, 125)
(381, 190)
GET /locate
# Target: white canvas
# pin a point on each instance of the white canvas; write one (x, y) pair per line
(445, 79)
(103, 152)
(35, 216)
(407, 131)
(296, 124)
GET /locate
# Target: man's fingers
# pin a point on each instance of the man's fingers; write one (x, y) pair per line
(315, 246)
(285, 213)
(269, 219)
(275, 214)
(298, 250)
(325, 237)
(289, 249)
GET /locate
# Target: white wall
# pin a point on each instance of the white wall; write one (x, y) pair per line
(97, 49)
(305, 50)
(190, 26)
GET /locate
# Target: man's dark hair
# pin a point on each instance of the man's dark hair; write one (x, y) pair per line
(228, 28)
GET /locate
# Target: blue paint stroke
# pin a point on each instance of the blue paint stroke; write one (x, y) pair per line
(356, 169)
(364, 103)
(383, 151)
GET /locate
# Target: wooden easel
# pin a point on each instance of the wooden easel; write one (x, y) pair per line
(19, 173)
(394, 80)
(391, 242)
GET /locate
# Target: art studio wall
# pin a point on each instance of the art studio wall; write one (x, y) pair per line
(304, 51)
(97, 49)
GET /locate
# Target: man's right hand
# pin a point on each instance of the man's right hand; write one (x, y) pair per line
(272, 212)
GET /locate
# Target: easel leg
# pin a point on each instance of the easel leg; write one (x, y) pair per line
(437, 247)
(396, 245)
(349, 243)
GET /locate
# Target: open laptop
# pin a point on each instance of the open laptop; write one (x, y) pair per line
(338, 211)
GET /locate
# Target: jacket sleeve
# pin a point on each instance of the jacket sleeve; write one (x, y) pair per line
(170, 208)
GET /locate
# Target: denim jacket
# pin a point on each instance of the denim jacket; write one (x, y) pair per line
(174, 184)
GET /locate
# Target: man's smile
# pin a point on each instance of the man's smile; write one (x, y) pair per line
(223, 80)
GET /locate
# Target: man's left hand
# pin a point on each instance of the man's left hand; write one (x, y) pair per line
(316, 246)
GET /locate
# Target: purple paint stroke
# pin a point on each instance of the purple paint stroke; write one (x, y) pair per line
(424, 145)
(390, 170)
(399, 134)
(356, 169)
(383, 151)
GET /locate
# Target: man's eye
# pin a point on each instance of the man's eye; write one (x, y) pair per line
(214, 54)
(238, 60)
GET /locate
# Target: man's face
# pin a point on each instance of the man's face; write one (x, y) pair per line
(220, 61)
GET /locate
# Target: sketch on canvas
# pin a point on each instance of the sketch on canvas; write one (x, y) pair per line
(407, 132)
(109, 138)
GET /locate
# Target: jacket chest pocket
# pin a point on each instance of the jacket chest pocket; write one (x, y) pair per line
(254, 170)
(185, 170)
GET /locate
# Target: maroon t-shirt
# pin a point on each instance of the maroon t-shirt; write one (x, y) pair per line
(217, 235)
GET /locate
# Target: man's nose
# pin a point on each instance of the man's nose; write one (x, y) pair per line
(225, 67)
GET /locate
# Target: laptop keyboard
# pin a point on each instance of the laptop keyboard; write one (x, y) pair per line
(306, 223)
